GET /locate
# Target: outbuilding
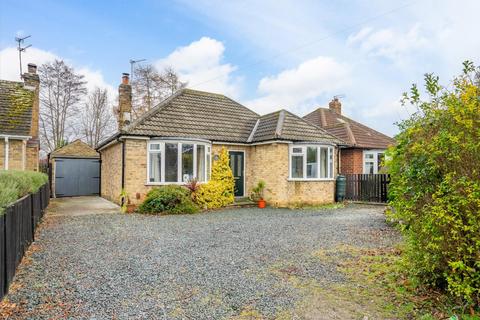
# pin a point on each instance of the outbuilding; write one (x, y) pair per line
(74, 170)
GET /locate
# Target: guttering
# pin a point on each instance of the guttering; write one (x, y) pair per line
(15, 137)
(123, 166)
(178, 139)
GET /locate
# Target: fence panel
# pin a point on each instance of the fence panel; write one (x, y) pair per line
(3, 283)
(367, 187)
(17, 229)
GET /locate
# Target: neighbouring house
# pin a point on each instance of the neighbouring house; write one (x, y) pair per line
(74, 170)
(365, 148)
(19, 121)
(176, 141)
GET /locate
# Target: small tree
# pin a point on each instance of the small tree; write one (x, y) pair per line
(435, 185)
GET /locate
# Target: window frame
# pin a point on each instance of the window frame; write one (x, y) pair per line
(330, 161)
(374, 160)
(179, 142)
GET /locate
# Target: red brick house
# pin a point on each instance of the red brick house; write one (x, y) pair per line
(365, 148)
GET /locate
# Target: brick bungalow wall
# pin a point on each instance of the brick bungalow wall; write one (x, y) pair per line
(268, 162)
(111, 172)
(32, 157)
(351, 161)
(17, 154)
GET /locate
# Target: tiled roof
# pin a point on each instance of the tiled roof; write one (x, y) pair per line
(191, 113)
(284, 125)
(197, 114)
(350, 131)
(16, 104)
(75, 149)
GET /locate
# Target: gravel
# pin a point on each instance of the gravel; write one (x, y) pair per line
(204, 266)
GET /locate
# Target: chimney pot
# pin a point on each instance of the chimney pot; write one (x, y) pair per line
(125, 78)
(32, 68)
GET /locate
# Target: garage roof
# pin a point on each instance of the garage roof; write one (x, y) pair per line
(76, 149)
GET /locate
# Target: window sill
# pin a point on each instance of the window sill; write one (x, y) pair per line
(311, 180)
(168, 183)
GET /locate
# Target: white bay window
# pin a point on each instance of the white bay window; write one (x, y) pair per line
(178, 161)
(311, 162)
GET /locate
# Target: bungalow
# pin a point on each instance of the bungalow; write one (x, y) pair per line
(177, 140)
(19, 120)
(365, 148)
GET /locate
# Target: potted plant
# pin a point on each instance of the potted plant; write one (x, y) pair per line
(257, 194)
(127, 206)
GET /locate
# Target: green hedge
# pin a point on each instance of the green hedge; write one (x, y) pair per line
(170, 199)
(16, 184)
(435, 185)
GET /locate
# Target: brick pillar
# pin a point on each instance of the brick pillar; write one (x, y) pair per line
(335, 105)
(124, 102)
(32, 82)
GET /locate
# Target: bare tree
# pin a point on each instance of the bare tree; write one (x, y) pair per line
(151, 86)
(61, 90)
(97, 122)
(170, 81)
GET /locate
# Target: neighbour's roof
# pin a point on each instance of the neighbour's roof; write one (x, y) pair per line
(350, 131)
(16, 103)
(215, 117)
(284, 125)
(75, 149)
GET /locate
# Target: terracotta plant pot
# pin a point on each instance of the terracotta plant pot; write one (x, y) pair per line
(131, 208)
(262, 203)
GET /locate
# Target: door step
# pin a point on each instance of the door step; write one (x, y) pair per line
(243, 203)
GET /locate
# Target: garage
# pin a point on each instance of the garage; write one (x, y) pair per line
(75, 170)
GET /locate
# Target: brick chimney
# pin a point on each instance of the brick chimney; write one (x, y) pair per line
(335, 105)
(31, 81)
(124, 102)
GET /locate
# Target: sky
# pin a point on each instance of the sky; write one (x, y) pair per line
(268, 55)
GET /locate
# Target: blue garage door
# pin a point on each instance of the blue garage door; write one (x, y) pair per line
(77, 177)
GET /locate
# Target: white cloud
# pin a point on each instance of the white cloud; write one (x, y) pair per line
(299, 88)
(388, 43)
(200, 63)
(9, 67)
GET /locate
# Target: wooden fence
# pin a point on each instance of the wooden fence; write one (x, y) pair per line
(367, 187)
(17, 231)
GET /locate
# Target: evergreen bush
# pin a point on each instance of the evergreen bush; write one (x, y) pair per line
(219, 191)
(170, 199)
(17, 184)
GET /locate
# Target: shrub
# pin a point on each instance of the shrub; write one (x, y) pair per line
(257, 191)
(171, 199)
(435, 185)
(16, 184)
(219, 191)
(193, 185)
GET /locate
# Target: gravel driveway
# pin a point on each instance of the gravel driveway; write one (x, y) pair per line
(206, 266)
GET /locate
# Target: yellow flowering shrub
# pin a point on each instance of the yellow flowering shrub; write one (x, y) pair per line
(219, 191)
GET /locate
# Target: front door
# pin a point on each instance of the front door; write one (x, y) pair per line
(238, 168)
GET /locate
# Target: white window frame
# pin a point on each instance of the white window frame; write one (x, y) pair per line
(374, 160)
(330, 161)
(162, 142)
